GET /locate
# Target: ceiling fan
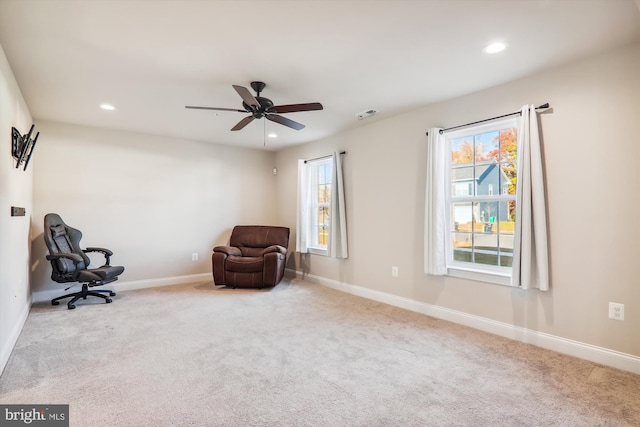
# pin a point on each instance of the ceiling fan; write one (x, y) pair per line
(260, 107)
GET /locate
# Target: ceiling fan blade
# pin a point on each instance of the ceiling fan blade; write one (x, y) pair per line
(284, 121)
(246, 96)
(214, 108)
(292, 108)
(242, 123)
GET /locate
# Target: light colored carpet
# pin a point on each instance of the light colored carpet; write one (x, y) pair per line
(296, 355)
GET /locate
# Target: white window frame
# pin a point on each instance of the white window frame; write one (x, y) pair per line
(467, 270)
(313, 245)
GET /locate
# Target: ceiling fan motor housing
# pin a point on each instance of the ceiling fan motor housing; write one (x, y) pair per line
(265, 106)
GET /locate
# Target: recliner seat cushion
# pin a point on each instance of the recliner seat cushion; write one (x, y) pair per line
(245, 264)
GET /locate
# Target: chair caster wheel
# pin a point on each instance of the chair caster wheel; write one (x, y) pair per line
(71, 306)
(108, 300)
(112, 294)
(55, 303)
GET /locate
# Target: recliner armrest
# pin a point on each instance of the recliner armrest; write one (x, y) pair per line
(275, 248)
(229, 250)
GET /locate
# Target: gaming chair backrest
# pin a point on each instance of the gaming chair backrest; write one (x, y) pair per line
(60, 238)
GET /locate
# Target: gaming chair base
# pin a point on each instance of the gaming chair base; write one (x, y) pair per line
(83, 294)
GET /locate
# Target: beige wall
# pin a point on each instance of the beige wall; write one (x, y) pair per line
(152, 200)
(592, 153)
(15, 190)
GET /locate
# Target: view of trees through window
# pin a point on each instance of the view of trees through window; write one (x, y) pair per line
(321, 203)
(482, 200)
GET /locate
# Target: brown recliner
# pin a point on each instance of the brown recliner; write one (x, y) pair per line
(255, 257)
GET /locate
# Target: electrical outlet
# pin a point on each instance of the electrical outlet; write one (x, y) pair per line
(616, 311)
(194, 256)
(394, 271)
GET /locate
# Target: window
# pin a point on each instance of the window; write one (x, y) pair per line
(480, 222)
(320, 173)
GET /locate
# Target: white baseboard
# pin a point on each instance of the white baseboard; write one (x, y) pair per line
(604, 356)
(49, 294)
(9, 344)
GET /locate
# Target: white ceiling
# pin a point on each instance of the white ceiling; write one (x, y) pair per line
(151, 58)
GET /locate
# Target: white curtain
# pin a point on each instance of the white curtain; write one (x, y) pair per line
(338, 215)
(435, 205)
(302, 213)
(530, 252)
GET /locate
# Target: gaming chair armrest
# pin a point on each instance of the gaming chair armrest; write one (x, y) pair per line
(106, 252)
(73, 257)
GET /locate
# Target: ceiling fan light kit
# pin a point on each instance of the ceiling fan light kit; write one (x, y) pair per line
(259, 107)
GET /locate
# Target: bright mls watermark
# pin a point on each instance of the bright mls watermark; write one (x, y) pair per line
(35, 415)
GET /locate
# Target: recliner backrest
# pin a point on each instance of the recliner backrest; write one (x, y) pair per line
(251, 239)
(60, 238)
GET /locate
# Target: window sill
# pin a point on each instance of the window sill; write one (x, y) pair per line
(316, 251)
(497, 278)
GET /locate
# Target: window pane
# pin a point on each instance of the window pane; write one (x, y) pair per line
(462, 246)
(324, 173)
(323, 216)
(324, 193)
(508, 178)
(464, 254)
(485, 248)
(508, 144)
(506, 251)
(462, 214)
(507, 216)
(462, 181)
(462, 150)
(487, 175)
(323, 225)
(485, 239)
(323, 236)
(486, 146)
(487, 214)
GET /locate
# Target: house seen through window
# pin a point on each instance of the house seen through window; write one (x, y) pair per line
(481, 198)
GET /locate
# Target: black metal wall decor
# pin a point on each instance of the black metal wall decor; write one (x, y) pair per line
(22, 146)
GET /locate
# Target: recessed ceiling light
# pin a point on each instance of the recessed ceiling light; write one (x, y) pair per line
(108, 107)
(495, 47)
(272, 135)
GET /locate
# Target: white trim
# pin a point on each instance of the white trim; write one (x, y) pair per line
(318, 251)
(481, 276)
(604, 356)
(12, 339)
(49, 294)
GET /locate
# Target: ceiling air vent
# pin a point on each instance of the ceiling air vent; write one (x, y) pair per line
(366, 114)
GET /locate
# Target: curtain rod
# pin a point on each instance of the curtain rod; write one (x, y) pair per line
(542, 107)
(323, 157)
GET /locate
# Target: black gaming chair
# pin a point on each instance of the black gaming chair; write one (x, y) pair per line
(70, 263)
